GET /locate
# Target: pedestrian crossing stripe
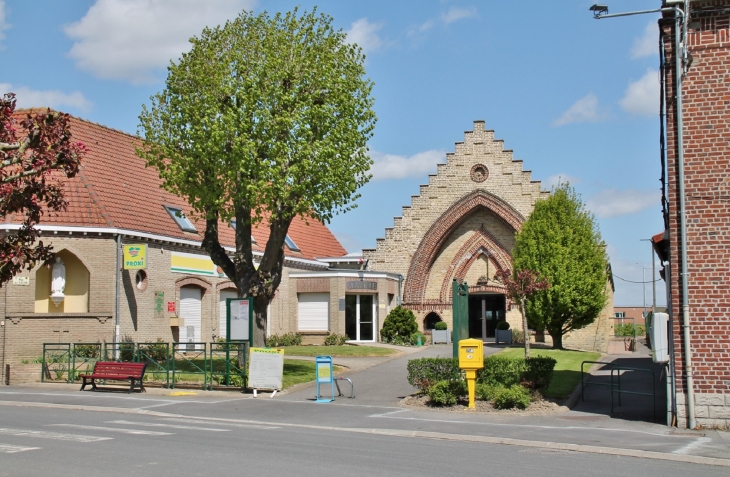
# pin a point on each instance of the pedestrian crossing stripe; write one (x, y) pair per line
(61, 436)
(174, 426)
(9, 449)
(115, 429)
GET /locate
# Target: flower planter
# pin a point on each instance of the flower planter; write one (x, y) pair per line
(441, 336)
(503, 336)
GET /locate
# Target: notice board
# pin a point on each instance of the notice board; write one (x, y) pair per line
(266, 368)
(238, 321)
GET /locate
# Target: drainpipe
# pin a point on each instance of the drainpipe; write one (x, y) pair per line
(117, 338)
(678, 47)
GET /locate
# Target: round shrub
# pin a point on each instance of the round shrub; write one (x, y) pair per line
(515, 396)
(487, 392)
(399, 326)
(333, 339)
(502, 325)
(446, 393)
(440, 325)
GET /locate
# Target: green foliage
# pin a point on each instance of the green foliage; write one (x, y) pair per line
(503, 325)
(499, 370)
(538, 373)
(560, 241)
(447, 393)
(441, 325)
(333, 339)
(89, 351)
(288, 339)
(487, 392)
(263, 117)
(399, 326)
(514, 396)
(424, 372)
(518, 336)
(126, 349)
(627, 329)
(155, 352)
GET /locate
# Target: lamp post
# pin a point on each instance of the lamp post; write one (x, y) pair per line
(680, 63)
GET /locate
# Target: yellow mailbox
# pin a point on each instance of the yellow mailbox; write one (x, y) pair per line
(471, 358)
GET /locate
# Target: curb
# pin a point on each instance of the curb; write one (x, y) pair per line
(691, 459)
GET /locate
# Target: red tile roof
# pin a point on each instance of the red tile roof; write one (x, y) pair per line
(115, 189)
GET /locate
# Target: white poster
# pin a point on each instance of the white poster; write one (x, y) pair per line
(239, 311)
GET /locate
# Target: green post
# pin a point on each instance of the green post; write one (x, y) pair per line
(460, 307)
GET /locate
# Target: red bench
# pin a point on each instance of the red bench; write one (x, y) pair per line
(132, 372)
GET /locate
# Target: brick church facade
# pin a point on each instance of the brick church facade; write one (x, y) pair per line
(462, 226)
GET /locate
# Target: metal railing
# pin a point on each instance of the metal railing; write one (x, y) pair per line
(222, 363)
(615, 384)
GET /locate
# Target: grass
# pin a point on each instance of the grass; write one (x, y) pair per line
(346, 351)
(566, 375)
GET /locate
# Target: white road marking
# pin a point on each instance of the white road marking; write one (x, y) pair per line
(692, 445)
(61, 436)
(115, 429)
(8, 449)
(211, 421)
(174, 426)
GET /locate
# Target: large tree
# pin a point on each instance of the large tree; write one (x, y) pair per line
(560, 241)
(265, 119)
(33, 145)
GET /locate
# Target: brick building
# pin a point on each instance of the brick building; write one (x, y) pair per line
(705, 144)
(116, 201)
(462, 226)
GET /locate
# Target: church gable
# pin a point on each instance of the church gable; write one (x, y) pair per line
(479, 186)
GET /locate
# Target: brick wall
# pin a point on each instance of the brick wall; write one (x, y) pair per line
(706, 95)
(462, 225)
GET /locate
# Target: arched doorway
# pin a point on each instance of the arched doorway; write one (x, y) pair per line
(191, 301)
(429, 322)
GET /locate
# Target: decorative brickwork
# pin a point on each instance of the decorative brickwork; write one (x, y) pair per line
(462, 225)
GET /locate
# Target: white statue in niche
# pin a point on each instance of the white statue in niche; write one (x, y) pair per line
(58, 278)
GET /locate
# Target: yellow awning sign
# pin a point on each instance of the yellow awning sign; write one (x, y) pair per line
(135, 257)
(193, 264)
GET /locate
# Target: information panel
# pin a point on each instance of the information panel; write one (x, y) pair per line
(239, 319)
(266, 368)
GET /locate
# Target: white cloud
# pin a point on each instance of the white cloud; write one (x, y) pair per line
(555, 180)
(131, 39)
(364, 34)
(31, 98)
(456, 13)
(421, 28)
(642, 96)
(4, 25)
(647, 44)
(615, 203)
(391, 166)
(584, 110)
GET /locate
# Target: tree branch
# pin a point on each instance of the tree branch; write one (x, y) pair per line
(217, 253)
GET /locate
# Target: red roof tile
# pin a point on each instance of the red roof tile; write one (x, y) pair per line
(115, 189)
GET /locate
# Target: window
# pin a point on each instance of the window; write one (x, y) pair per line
(620, 314)
(180, 219)
(233, 224)
(290, 243)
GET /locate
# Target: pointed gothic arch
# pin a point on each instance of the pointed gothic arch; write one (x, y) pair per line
(443, 228)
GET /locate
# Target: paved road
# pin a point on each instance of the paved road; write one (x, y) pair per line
(371, 431)
(47, 442)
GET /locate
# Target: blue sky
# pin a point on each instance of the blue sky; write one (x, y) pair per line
(571, 96)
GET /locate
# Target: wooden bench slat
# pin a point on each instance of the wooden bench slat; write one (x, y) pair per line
(115, 371)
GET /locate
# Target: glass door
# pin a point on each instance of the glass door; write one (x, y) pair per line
(366, 317)
(360, 317)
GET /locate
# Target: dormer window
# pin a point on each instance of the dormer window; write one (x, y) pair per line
(290, 243)
(180, 219)
(233, 224)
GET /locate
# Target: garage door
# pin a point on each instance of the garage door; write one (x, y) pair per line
(225, 294)
(191, 312)
(314, 311)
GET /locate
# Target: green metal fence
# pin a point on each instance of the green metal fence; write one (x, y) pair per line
(206, 364)
(56, 361)
(228, 364)
(190, 360)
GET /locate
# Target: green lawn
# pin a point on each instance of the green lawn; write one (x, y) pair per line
(346, 351)
(566, 375)
(297, 371)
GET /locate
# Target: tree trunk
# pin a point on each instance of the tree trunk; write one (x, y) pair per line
(525, 329)
(260, 306)
(557, 339)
